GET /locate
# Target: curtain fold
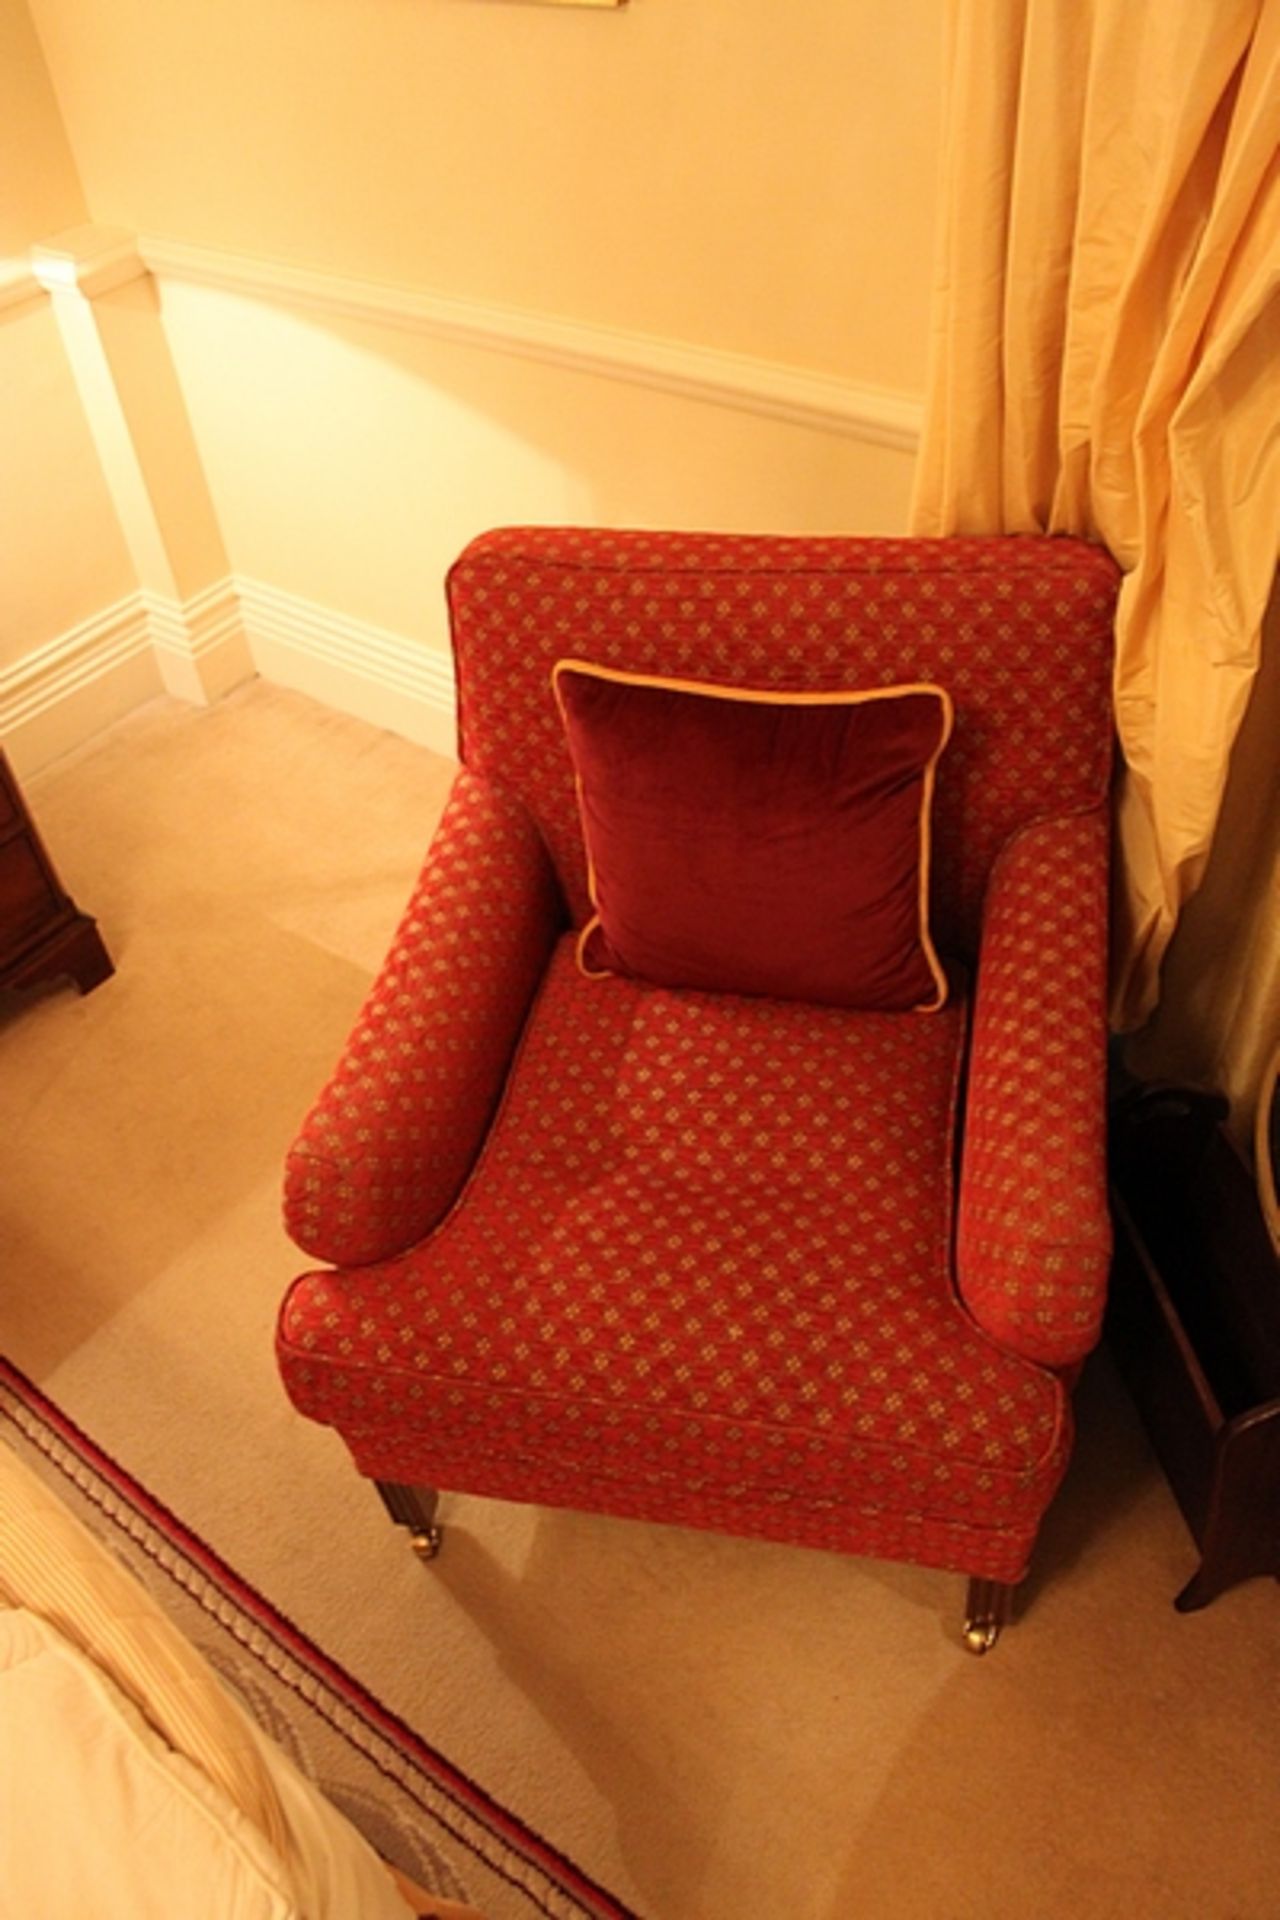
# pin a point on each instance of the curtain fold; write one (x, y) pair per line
(1105, 361)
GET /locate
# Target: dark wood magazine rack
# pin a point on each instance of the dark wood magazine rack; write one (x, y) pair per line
(1194, 1324)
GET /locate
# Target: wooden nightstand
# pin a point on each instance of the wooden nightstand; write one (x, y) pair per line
(1194, 1324)
(43, 934)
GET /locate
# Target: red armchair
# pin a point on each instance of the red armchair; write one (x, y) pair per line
(750, 1264)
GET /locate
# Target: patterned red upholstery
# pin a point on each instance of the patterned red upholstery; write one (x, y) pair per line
(1017, 630)
(701, 1268)
(382, 1155)
(1034, 1245)
(706, 1255)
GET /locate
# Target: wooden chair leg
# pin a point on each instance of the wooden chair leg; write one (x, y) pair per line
(988, 1607)
(415, 1508)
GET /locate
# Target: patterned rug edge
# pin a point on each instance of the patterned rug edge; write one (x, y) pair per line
(496, 1837)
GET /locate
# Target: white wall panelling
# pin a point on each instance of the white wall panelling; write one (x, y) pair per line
(133, 405)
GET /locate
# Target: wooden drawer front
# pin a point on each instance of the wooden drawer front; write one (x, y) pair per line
(29, 901)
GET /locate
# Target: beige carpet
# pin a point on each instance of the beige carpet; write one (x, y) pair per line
(713, 1729)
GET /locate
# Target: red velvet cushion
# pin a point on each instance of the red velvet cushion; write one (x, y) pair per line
(760, 843)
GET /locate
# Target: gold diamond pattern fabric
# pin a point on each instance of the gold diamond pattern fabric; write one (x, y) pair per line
(387, 1146)
(707, 1245)
(738, 1263)
(1017, 631)
(1034, 1238)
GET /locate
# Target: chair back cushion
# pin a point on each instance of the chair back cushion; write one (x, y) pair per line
(1017, 629)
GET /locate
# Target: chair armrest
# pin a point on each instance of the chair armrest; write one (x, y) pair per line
(385, 1150)
(1034, 1233)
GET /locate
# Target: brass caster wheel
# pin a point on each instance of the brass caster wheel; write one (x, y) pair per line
(987, 1608)
(427, 1542)
(980, 1636)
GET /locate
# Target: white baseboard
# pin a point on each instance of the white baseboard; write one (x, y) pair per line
(383, 677)
(62, 693)
(201, 647)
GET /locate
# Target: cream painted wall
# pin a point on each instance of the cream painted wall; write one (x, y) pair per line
(739, 173)
(39, 186)
(351, 461)
(64, 555)
(719, 174)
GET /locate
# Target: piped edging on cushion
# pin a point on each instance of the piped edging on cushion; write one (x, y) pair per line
(643, 922)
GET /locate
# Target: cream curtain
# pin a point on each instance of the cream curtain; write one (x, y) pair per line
(1105, 360)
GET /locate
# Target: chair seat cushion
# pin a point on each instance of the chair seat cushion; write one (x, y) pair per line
(702, 1270)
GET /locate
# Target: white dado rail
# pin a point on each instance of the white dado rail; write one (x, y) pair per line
(779, 392)
(194, 627)
(18, 287)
